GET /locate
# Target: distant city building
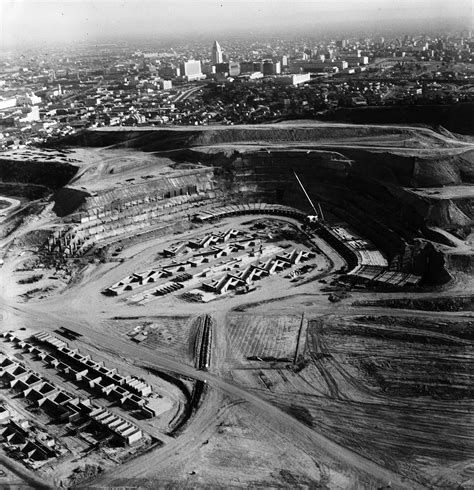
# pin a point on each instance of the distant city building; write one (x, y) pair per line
(294, 79)
(8, 103)
(270, 67)
(250, 66)
(216, 55)
(353, 60)
(208, 68)
(191, 70)
(318, 66)
(231, 69)
(340, 64)
(246, 66)
(29, 99)
(234, 68)
(169, 71)
(21, 100)
(267, 67)
(91, 101)
(221, 68)
(166, 84)
(354, 52)
(30, 114)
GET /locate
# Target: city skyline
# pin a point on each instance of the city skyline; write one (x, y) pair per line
(33, 21)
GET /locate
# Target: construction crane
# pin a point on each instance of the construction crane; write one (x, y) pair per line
(318, 214)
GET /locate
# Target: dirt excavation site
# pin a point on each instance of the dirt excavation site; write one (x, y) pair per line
(282, 306)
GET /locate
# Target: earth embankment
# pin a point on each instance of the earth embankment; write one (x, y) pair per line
(48, 174)
(454, 117)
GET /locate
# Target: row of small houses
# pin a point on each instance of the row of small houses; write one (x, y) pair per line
(128, 391)
(60, 405)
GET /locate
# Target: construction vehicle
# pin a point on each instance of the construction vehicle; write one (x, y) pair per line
(245, 289)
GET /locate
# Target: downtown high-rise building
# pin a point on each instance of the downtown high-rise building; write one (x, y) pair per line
(216, 55)
(191, 70)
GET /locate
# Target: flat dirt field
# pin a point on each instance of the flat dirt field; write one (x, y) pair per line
(388, 387)
(264, 336)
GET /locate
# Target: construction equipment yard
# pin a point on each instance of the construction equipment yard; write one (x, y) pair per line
(283, 305)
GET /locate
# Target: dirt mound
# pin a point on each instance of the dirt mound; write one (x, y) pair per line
(449, 170)
(455, 117)
(49, 174)
(457, 303)
(452, 214)
(403, 156)
(145, 140)
(67, 200)
(158, 139)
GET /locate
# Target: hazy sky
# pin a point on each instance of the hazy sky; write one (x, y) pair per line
(81, 20)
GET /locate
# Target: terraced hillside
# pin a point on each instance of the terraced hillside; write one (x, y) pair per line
(377, 177)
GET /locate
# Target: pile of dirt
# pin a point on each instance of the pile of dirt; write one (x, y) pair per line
(50, 174)
(67, 200)
(436, 303)
(158, 139)
(446, 170)
(454, 117)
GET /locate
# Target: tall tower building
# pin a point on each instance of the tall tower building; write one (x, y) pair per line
(216, 56)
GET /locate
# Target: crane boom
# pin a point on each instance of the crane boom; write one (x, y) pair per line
(320, 213)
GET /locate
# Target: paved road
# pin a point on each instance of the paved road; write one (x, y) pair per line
(186, 94)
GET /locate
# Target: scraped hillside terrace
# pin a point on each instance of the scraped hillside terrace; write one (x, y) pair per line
(190, 176)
